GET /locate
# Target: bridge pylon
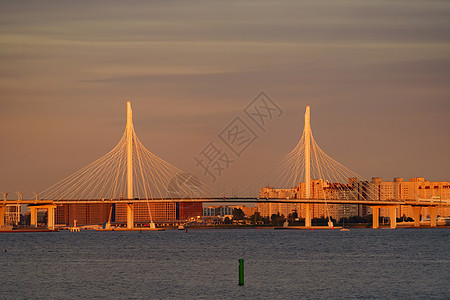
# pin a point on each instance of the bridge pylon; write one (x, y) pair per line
(307, 135)
(129, 133)
(128, 172)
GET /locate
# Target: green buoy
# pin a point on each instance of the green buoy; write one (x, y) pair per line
(241, 271)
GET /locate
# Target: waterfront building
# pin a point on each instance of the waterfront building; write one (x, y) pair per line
(161, 211)
(84, 214)
(268, 209)
(413, 189)
(12, 215)
(247, 210)
(227, 210)
(97, 213)
(376, 189)
(320, 189)
(189, 210)
(144, 212)
(212, 211)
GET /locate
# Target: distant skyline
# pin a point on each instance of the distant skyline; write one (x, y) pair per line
(376, 75)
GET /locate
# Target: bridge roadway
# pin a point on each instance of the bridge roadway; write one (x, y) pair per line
(419, 202)
(416, 205)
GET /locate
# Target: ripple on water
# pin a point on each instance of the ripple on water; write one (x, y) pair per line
(289, 264)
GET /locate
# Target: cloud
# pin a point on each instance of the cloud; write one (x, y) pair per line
(376, 74)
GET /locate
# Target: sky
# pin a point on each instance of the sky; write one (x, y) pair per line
(376, 74)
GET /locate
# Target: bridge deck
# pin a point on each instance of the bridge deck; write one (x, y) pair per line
(421, 202)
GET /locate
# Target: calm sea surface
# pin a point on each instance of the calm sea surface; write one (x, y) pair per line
(203, 264)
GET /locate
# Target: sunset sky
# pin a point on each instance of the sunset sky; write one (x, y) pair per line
(376, 74)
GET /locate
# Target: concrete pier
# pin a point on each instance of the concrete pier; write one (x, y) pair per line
(375, 217)
(416, 213)
(2, 215)
(130, 215)
(33, 216)
(393, 216)
(51, 217)
(308, 215)
(51, 208)
(433, 215)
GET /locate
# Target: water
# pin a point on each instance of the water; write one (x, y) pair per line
(203, 264)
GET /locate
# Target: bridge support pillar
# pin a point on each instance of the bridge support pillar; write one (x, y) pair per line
(130, 215)
(393, 216)
(2, 215)
(33, 216)
(416, 213)
(375, 217)
(433, 215)
(307, 214)
(51, 217)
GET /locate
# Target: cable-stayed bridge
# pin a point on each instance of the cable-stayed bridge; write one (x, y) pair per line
(130, 174)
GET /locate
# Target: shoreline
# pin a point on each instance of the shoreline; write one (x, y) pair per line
(235, 227)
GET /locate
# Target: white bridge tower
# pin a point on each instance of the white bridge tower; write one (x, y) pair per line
(129, 132)
(307, 135)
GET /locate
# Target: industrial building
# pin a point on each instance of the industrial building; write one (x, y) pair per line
(376, 189)
(97, 213)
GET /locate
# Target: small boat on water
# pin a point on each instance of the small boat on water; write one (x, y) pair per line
(343, 226)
